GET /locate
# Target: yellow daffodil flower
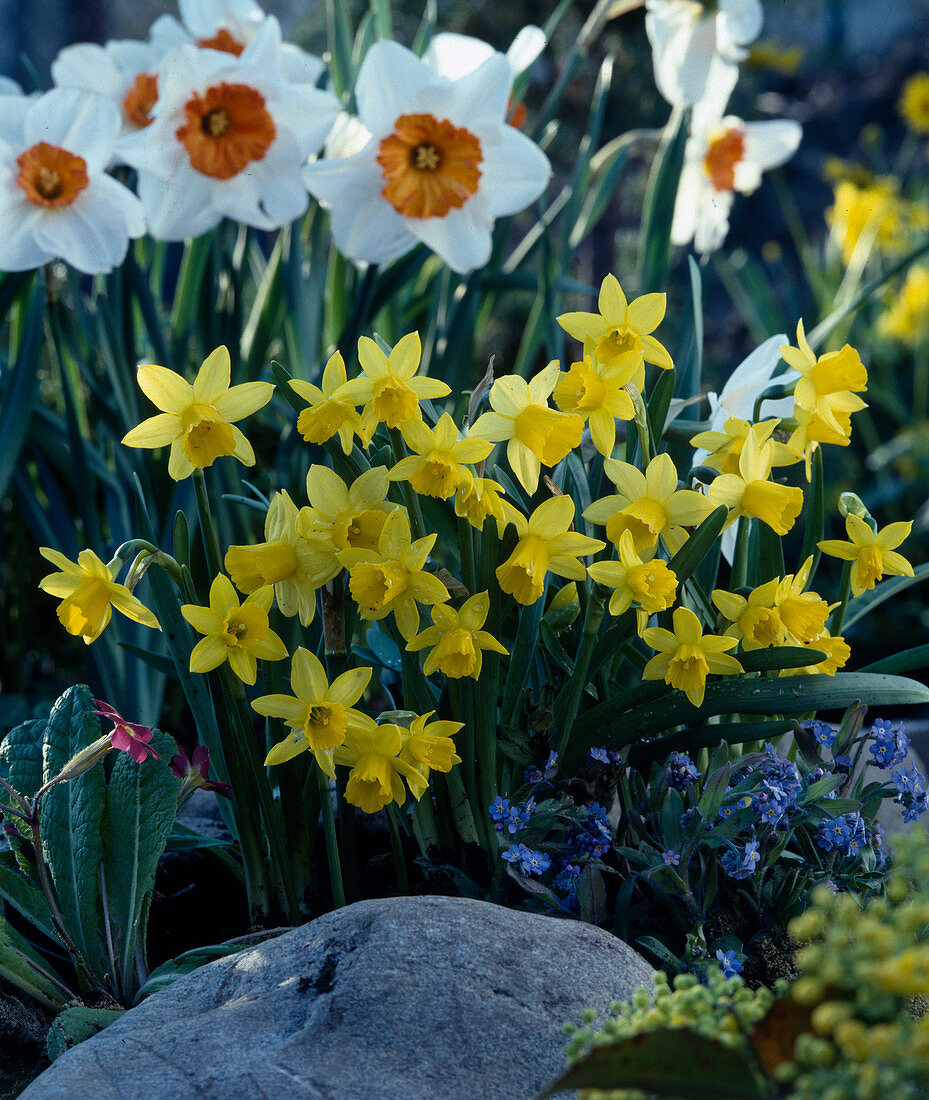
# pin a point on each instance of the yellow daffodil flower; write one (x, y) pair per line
(382, 757)
(873, 552)
(330, 410)
(750, 493)
(649, 585)
(480, 499)
(598, 393)
(621, 331)
(906, 318)
(88, 592)
(754, 620)
(234, 632)
(874, 213)
(825, 396)
(457, 639)
(439, 466)
(428, 746)
(837, 653)
(392, 578)
(320, 715)
(291, 563)
(650, 505)
(344, 517)
(545, 546)
(725, 447)
(198, 421)
(914, 103)
(389, 387)
(537, 435)
(686, 656)
(803, 613)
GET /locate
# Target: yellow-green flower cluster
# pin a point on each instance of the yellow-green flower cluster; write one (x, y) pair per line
(865, 981)
(723, 1009)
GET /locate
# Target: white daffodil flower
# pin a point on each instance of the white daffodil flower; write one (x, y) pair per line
(228, 138)
(696, 47)
(124, 71)
(9, 87)
(456, 55)
(229, 26)
(56, 199)
(723, 156)
(439, 164)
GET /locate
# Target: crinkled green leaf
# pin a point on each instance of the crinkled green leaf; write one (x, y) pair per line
(19, 965)
(71, 819)
(670, 1062)
(21, 758)
(76, 1024)
(141, 803)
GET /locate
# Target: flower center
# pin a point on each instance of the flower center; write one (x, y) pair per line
(723, 154)
(430, 166)
(375, 586)
(140, 99)
(222, 41)
(870, 566)
(688, 668)
(394, 402)
(226, 129)
(617, 344)
(437, 476)
(50, 175)
(206, 436)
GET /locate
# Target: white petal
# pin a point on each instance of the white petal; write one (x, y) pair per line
(515, 173)
(455, 55)
(747, 381)
(525, 48)
(309, 114)
(689, 195)
(178, 208)
(461, 238)
(300, 67)
(203, 18)
(13, 111)
(19, 250)
(82, 123)
(767, 145)
(739, 22)
(87, 65)
(712, 220)
(90, 234)
(9, 87)
(166, 33)
(390, 82)
(477, 98)
(728, 542)
(263, 50)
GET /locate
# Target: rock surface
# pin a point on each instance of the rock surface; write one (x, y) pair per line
(396, 999)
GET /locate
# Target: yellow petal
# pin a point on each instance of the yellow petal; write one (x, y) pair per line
(243, 400)
(308, 677)
(207, 654)
(647, 312)
(213, 376)
(405, 357)
(157, 431)
(287, 749)
(611, 301)
(164, 388)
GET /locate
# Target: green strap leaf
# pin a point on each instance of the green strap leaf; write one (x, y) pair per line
(17, 892)
(21, 390)
(671, 1062)
(141, 803)
(71, 817)
(908, 660)
(655, 239)
(865, 603)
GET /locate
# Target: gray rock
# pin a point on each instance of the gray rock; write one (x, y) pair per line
(396, 999)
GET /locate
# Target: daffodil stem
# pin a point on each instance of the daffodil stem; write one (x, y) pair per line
(396, 847)
(466, 544)
(486, 709)
(348, 838)
(739, 575)
(463, 708)
(269, 813)
(207, 527)
(596, 608)
(332, 841)
(410, 497)
(838, 616)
